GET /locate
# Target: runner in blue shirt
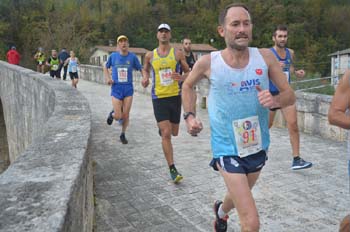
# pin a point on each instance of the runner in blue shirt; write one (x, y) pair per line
(121, 64)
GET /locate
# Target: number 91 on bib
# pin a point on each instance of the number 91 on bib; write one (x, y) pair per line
(247, 135)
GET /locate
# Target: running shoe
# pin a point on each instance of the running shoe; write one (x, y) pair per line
(220, 224)
(120, 121)
(110, 118)
(123, 139)
(300, 164)
(175, 175)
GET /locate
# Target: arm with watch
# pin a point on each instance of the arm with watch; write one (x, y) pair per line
(200, 70)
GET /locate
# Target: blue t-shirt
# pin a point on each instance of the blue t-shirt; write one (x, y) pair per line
(122, 67)
(63, 55)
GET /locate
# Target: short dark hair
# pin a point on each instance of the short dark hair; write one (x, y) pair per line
(223, 13)
(185, 37)
(280, 27)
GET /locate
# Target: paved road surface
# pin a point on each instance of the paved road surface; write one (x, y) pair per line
(134, 191)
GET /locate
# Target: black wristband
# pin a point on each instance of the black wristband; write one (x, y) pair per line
(186, 114)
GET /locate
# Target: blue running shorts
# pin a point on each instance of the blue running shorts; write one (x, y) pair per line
(122, 91)
(235, 164)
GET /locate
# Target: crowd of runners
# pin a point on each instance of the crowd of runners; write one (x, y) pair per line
(58, 64)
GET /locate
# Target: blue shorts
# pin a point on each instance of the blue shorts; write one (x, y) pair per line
(235, 164)
(122, 91)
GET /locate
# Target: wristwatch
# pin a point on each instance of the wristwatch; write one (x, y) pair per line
(186, 114)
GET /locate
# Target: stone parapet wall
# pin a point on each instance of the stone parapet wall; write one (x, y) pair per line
(4, 150)
(313, 116)
(92, 73)
(48, 185)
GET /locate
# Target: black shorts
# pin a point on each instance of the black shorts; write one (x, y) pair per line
(55, 73)
(168, 108)
(274, 93)
(73, 75)
(235, 164)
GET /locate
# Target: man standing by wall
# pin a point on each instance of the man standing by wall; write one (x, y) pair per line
(63, 56)
(285, 57)
(163, 62)
(13, 56)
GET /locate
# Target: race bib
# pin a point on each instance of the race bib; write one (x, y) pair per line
(40, 62)
(122, 74)
(74, 69)
(248, 136)
(287, 75)
(165, 77)
(55, 67)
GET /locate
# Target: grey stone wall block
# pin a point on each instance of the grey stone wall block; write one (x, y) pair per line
(48, 185)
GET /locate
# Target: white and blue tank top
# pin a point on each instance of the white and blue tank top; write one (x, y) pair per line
(238, 123)
(73, 65)
(286, 69)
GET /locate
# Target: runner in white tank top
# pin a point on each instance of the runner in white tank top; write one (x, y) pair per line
(239, 100)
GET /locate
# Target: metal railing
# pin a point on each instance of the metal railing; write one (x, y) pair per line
(314, 83)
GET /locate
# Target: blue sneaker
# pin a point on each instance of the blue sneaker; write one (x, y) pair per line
(300, 164)
(110, 118)
(175, 175)
(220, 224)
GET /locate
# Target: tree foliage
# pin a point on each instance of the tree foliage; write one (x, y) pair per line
(316, 27)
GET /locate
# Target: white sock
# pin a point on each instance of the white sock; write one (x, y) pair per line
(221, 213)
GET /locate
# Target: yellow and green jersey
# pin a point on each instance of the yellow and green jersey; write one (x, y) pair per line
(162, 67)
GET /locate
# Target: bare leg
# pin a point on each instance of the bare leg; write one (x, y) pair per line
(76, 80)
(239, 195)
(127, 102)
(290, 115)
(167, 130)
(271, 118)
(117, 107)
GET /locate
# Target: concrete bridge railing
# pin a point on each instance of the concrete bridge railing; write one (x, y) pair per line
(312, 108)
(48, 185)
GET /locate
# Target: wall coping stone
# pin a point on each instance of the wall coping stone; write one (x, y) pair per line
(48, 187)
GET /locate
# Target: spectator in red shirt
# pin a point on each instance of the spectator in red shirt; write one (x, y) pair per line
(13, 56)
